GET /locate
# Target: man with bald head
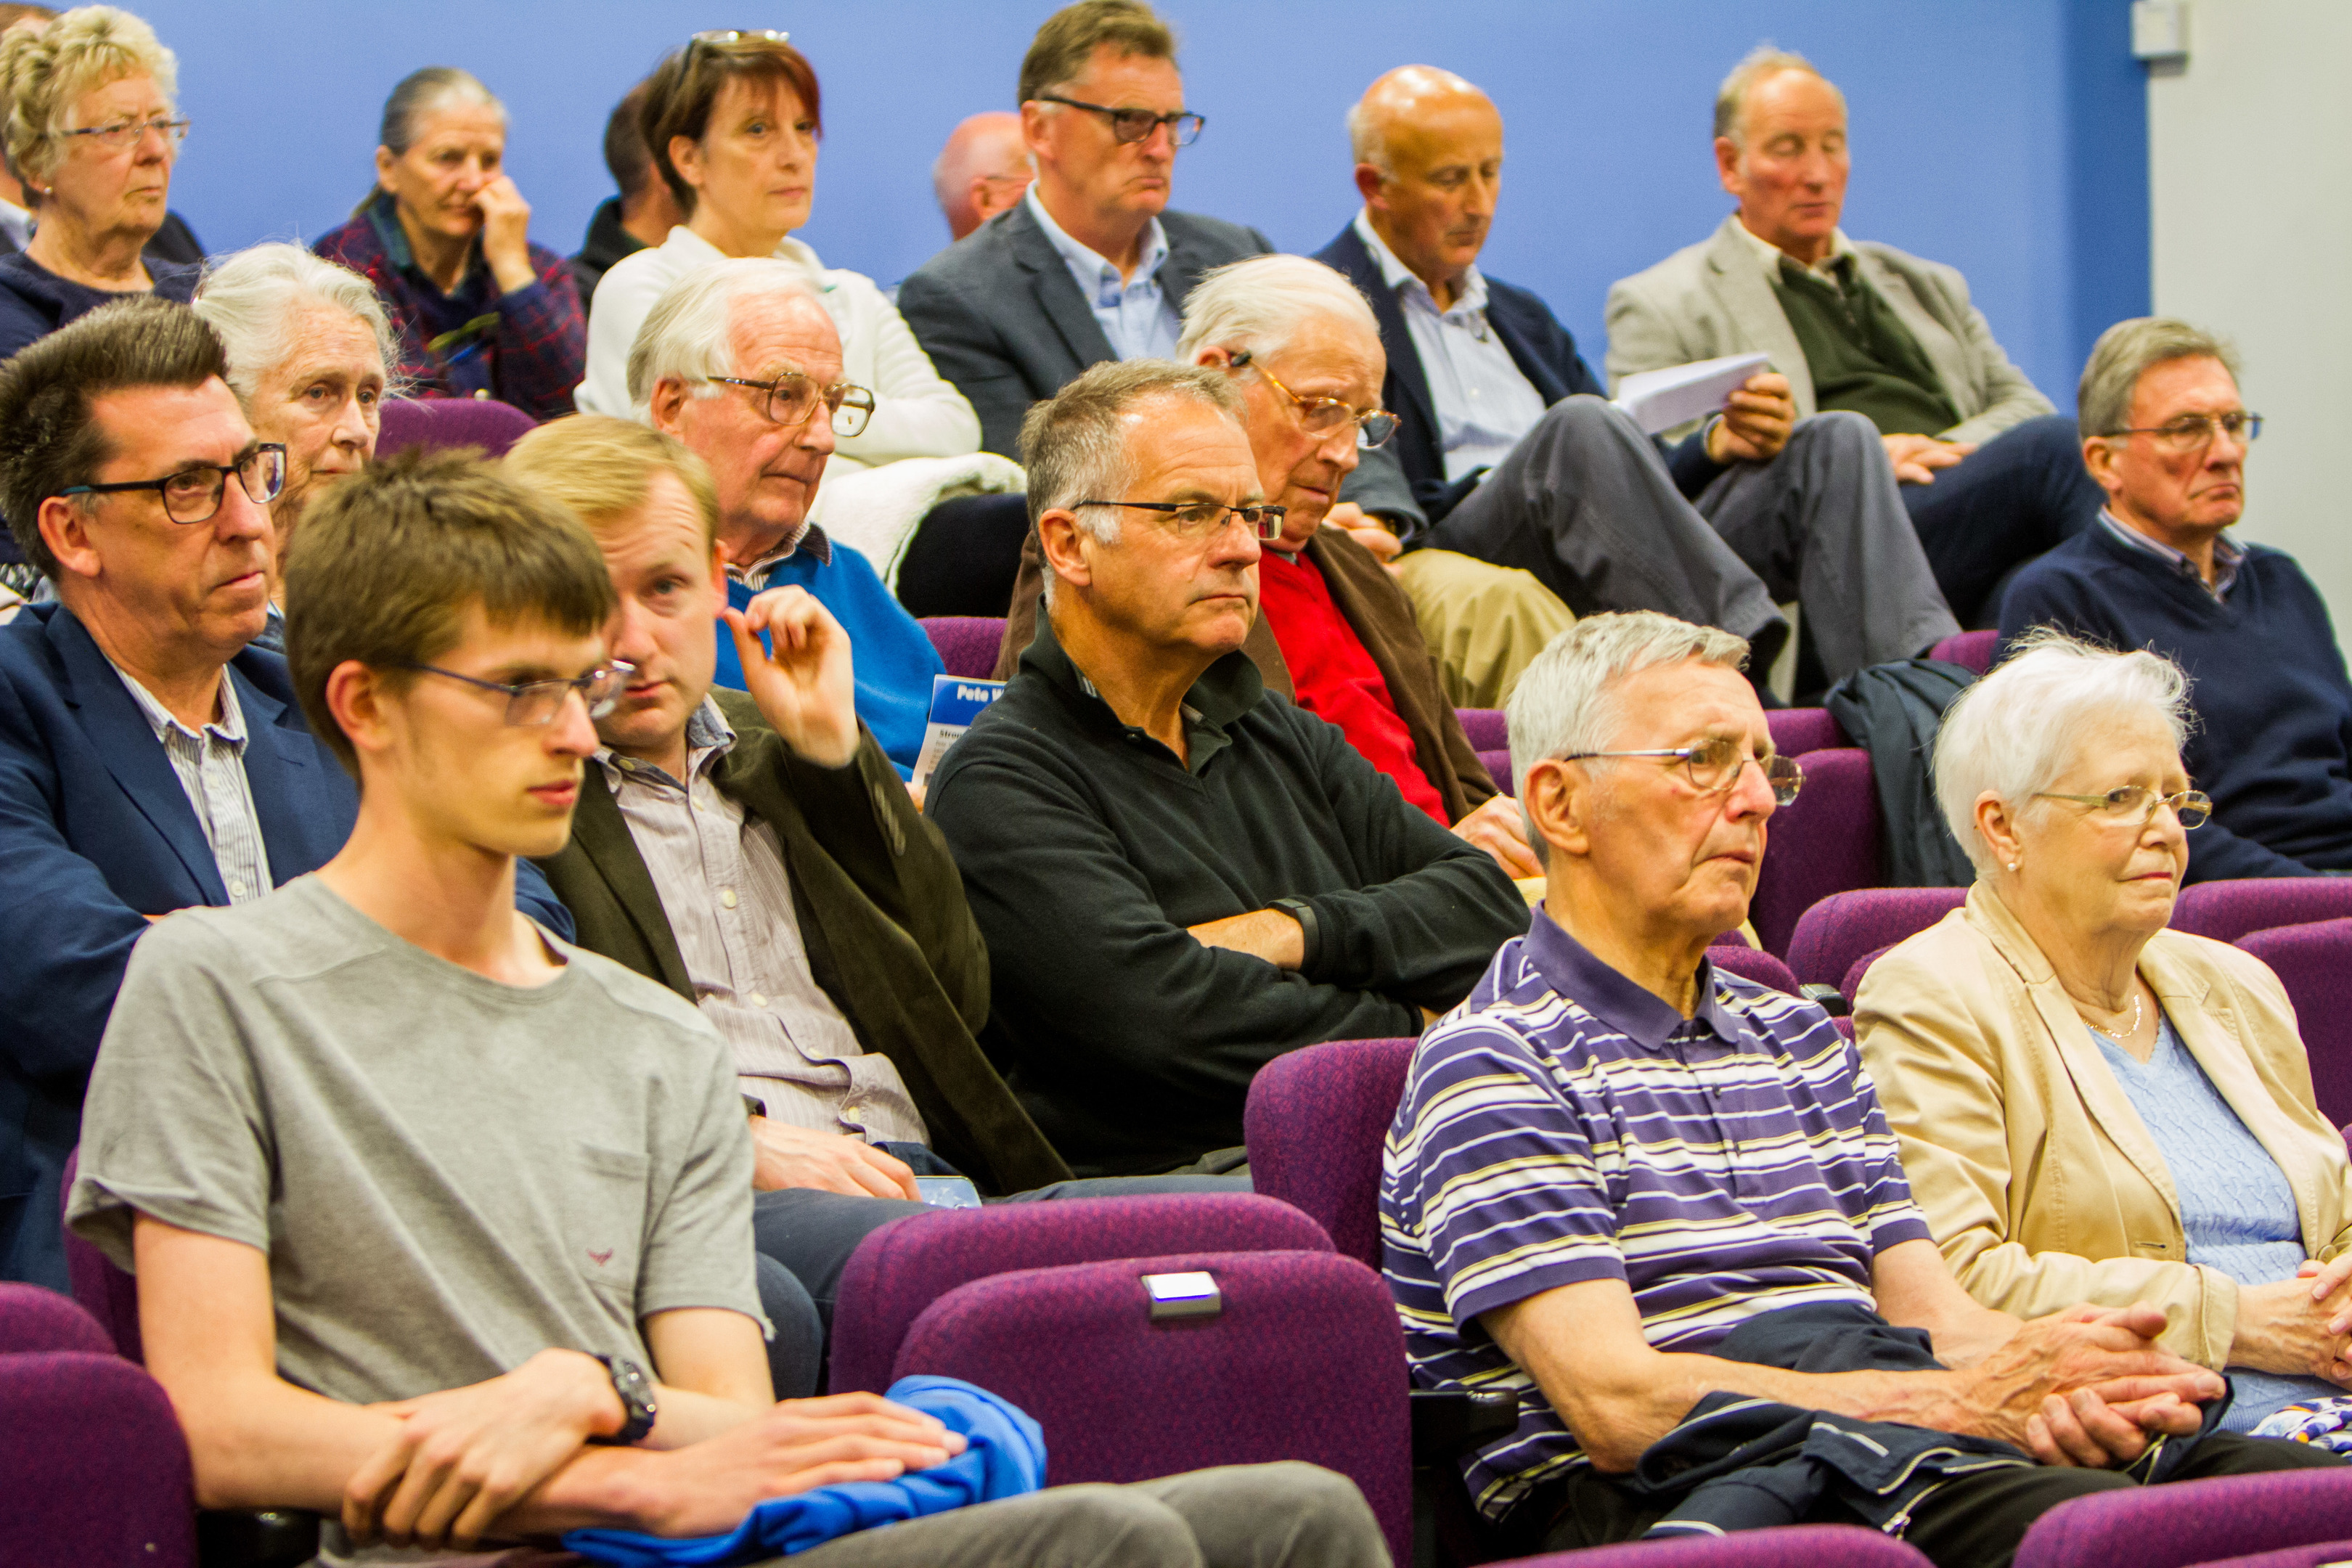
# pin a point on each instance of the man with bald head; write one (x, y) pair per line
(1515, 456)
(1991, 476)
(983, 171)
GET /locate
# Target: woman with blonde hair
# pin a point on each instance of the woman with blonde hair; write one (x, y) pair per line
(2092, 1107)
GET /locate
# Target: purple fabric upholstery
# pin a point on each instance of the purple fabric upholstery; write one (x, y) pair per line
(2315, 962)
(1755, 964)
(2228, 910)
(2190, 1522)
(35, 1318)
(1796, 730)
(966, 644)
(1498, 768)
(1800, 1546)
(1306, 1361)
(1845, 1023)
(2291, 1557)
(1860, 967)
(1489, 728)
(1845, 926)
(105, 1292)
(1824, 842)
(1314, 1121)
(92, 1465)
(910, 1263)
(451, 422)
(1974, 649)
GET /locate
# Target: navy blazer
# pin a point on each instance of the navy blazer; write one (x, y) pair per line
(1544, 351)
(95, 834)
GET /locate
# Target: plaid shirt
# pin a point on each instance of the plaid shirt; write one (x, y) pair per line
(528, 348)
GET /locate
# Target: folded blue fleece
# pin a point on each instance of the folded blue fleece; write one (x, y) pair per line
(1006, 1457)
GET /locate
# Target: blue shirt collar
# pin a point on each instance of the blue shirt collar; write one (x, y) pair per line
(1572, 971)
(1099, 280)
(2227, 555)
(1469, 296)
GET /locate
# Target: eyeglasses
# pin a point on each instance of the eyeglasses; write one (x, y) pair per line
(2135, 806)
(533, 704)
(792, 400)
(1197, 521)
(194, 494)
(1714, 766)
(123, 133)
(2194, 432)
(1323, 415)
(1137, 124)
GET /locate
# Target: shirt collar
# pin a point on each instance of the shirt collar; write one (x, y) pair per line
(383, 216)
(755, 575)
(1225, 691)
(1109, 285)
(695, 251)
(1571, 969)
(1470, 296)
(2227, 554)
(1772, 254)
(229, 727)
(708, 737)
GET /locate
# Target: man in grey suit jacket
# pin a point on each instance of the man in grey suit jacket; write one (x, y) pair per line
(1990, 475)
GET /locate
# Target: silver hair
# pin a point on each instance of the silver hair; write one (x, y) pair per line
(255, 298)
(687, 335)
(2014, 733)
(1258, 303)
(1566, 699)
(2129, 349)
(1765, 59)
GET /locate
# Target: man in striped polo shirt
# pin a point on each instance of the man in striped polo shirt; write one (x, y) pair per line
(1662, 1205)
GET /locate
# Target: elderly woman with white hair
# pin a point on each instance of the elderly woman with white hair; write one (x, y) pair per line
(2092, 1108)
(310, 349)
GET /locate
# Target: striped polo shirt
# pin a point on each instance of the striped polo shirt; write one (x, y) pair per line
(1565, 1125)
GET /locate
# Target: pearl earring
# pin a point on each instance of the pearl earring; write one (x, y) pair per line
(2012, 865)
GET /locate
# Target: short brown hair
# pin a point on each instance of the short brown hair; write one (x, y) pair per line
(602, 468)
(1071, 36)
(683, 89)
(49, 436)
(384, 569)
(1076, 442)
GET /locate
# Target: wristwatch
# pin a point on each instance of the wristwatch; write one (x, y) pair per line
(1303, 912)
(636, 1392)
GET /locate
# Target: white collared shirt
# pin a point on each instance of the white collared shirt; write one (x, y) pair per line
(1485, 403)
(1137, 315)
(1772, 254)
(210, 767)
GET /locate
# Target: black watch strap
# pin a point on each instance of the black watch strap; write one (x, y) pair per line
(1303, 912)
(636, 1395)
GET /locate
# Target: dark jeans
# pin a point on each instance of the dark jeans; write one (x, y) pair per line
(2019, 494)
(964, 556)
(1975, 1522)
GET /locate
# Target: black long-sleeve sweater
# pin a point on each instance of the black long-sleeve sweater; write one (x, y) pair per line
(1087, 848)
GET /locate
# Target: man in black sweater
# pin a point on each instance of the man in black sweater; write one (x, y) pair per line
(1181, 877)
(2165, 434)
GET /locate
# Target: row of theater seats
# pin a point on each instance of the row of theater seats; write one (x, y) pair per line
(1289, 1348)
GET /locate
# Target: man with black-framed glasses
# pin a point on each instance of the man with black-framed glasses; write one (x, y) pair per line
(150, 760)
(2165, 434)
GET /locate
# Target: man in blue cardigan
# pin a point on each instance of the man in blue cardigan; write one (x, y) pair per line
(740, 363)
(2165, 434)
(149, 761)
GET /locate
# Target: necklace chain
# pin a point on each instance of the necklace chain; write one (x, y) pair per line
(2136, 1015)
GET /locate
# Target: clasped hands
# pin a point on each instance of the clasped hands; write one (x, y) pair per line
(2089, 1387)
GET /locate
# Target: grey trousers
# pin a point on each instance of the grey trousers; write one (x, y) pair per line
(1287, 1515)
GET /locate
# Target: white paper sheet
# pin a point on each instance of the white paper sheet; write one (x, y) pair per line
(1661, 399)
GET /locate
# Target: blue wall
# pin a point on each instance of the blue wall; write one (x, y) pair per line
(2007, 137)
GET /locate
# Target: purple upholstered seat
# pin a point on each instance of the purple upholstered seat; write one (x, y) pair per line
(1843, 926)
(105, 1292)
(2315, 962)
(451, 422)
(1304, 1360)
(2290, 1557)
(1796, 730)
(906, 1265)
(1498, 768)
(1824, 842)
(966, 644)
(35, 1318)
(1974, 649)
(1489, 728)
(2192, 1521)
(1314, 1123)
(1851, 986)
(1755, 964)
(92, 1464)
(1800, 1546)
(2228, 910)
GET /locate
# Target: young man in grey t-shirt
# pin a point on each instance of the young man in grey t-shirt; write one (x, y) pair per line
(442, 1224)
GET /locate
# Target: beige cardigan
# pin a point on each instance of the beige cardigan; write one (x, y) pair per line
(2039, 1181)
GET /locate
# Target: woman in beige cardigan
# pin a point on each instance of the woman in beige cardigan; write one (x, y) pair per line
(2092, 1107)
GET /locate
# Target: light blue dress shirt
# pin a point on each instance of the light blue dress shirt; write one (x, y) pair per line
(1485, 403)
(1137, 317)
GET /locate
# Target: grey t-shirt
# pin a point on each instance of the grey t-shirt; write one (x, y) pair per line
(448, 1174)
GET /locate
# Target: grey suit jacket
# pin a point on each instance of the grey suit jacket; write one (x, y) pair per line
(1715, 298)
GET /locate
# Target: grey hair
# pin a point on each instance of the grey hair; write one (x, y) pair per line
(686, 334)
(45, 71)
(1566, 699)
(1259, 303)
(2129, 349)
(1365, 141)
(1765, 59)
(419, 94)
(254, 298)
(2015, 732)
